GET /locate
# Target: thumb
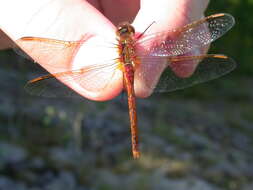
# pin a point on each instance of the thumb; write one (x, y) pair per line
(59, 19)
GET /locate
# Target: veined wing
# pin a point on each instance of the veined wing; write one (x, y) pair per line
(207, 67)
(183, 40)
(91, 78)
(52, 52)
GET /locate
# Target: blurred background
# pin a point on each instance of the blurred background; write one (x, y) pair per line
(199, 138)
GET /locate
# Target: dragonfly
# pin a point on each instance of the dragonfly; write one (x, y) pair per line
(169, 51)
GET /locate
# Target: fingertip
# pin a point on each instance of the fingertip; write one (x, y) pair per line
(110, 91)
(167, 15)
(102, 80)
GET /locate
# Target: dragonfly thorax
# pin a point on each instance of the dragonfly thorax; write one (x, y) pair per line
(125, 31)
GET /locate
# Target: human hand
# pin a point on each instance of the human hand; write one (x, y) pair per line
(71, 19)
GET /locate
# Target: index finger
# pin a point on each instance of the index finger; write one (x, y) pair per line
(167, 15)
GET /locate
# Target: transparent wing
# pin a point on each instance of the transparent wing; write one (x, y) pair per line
(91, 78)
(206, 67)
(50, 88)
(51, 50)
(180, 41)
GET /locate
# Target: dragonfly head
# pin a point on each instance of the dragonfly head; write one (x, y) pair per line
(125, 30)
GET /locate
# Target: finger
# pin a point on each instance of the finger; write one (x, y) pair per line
(64, 20)
(168, 15)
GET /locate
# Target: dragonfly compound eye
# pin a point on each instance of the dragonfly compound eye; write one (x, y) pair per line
(125, 29)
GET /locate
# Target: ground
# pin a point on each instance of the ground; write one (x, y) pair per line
(198, 138)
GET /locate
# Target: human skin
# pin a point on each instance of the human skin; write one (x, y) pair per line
(73, 19)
